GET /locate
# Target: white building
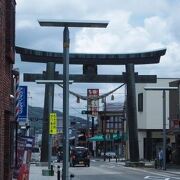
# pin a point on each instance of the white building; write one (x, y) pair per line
(150, 117)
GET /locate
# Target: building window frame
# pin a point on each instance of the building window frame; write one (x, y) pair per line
(140, 102)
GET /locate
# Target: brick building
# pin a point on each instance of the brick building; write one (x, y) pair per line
(7, 42)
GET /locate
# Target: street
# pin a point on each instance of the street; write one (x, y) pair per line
(100, 170)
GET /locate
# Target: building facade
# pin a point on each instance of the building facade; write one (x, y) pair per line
(150, 118)
(112, 125)
(7, 46)
(174, 119)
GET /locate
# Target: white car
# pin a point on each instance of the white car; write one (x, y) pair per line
(110, 154)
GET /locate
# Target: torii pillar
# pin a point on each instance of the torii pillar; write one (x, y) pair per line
(49, 92)
(132, 113)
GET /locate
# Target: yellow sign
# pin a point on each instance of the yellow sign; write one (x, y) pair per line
(53, 123)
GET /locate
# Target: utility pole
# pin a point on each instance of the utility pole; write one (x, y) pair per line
(66, 44)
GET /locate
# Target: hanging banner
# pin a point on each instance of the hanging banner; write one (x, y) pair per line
(23, 157)
(93, 104)
(22, 116)
(53, 123)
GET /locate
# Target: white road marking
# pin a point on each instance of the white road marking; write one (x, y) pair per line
(146, 171)
(156, 178)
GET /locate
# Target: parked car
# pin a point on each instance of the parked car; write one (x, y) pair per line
(79, 155)
(35, 156)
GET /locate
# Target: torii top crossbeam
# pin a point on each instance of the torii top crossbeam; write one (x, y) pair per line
(151, 57)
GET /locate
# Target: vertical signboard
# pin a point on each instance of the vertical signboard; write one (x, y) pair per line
(53, 123)
(93, 104)
(22, 115)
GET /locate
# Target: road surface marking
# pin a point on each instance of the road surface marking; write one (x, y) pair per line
(156, 178)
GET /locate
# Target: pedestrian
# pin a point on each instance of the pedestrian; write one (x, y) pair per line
(168, 154)
(160, 156)
(58, 156)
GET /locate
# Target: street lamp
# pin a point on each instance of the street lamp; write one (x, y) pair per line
(163, 89)
(66, 43)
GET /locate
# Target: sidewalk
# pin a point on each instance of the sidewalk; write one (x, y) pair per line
(36, 173)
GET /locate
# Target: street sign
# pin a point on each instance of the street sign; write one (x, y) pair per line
(53, 123)
(86, 112)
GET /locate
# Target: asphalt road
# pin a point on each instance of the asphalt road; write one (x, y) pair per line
(100, 170)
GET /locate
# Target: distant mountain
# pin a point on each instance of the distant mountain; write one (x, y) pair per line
(35, 115)
(37, 112)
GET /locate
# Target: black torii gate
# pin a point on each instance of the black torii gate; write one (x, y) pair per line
(90, 62)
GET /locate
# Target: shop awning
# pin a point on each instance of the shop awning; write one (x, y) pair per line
(116, 137)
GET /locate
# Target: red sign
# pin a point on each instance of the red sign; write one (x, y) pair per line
(93, 102)
(175, 123)
(24, 172)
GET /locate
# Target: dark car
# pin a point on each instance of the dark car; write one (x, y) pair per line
(79, 155)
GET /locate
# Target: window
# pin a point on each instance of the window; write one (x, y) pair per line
(140, 102)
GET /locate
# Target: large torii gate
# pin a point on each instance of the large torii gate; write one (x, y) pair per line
(90, 62)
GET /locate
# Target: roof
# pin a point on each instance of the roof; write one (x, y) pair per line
(115, 107)
(150, 57)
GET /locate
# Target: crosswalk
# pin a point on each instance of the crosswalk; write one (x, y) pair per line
(162, 177)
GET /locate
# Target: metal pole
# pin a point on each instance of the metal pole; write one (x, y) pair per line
(50, 104)
(92, 135)
(164, 129)
(104, 123)
(50, 96)
(66, 104)
(92, 128)
(58, 172)
(87, 125)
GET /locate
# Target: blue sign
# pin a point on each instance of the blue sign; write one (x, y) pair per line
(22, 103)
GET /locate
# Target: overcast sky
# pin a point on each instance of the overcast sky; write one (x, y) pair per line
(134, 26)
